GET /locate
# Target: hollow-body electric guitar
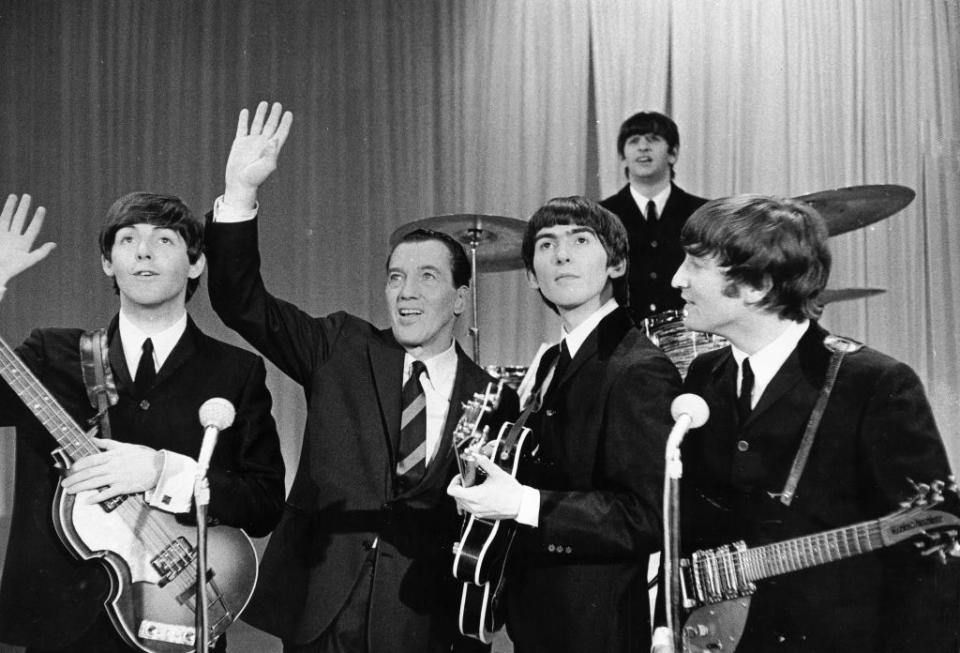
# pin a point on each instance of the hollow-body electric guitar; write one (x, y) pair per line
(150, 557)
(480, 557)
(717, 584)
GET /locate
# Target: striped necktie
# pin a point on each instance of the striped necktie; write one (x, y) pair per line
(412, 452)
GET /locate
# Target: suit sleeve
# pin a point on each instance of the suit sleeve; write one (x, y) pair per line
(290, 338)
(247, 472)
(902, 442)
(622, 516)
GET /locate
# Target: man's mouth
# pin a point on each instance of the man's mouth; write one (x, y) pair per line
(144, 273)
(409, 312)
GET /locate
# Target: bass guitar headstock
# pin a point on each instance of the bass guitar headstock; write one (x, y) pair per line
(468, 435)
(931, 519)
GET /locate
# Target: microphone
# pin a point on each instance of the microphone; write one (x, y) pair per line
(215, 415)
(689, 411)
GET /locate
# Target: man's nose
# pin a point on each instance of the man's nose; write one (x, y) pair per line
(143, 249)
(562, 252)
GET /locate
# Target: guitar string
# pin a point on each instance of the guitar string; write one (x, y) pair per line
(153, 533)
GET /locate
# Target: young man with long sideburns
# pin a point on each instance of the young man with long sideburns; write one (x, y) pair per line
(152, 247)
(588, 499)
(753, 269)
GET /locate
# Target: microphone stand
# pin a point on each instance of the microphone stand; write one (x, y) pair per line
(201, 493)
(671, 537)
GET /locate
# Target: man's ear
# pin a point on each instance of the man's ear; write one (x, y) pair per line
(197, 267)
(460, 302)
(107, 266)
(618, 270)
(532, 280)
(673, 154)
(755, 294)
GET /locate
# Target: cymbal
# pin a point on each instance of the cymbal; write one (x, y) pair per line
(496, 238)
(830, 295)
(846, 209)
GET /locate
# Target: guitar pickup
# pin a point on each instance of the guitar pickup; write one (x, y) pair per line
(174, 558)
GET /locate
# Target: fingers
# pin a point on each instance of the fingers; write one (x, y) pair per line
(256, 127)
(20, 217)
(283, 130)
(242, 123)
(36, 223)
(7, 212)
(273, 119)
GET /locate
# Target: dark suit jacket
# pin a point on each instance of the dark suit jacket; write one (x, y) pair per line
(344, 498)
(48, 599)
(877, 432)
(578, 582)
(655, 252)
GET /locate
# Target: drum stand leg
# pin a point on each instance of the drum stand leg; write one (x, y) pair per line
(475, 235)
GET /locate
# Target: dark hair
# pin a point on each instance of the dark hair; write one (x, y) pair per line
(758, 237)
(649, 122)
(582, 212)
(459, 263)
(164, 211)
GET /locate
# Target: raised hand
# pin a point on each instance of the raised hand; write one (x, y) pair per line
(16, 242)
(253, 156)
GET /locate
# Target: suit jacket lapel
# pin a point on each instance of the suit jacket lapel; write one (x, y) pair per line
(183, 351)
(118, 362)
(386, 363)
(603, 340)
(437, 469)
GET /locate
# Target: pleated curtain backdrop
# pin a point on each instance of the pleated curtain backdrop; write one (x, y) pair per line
(406, 110)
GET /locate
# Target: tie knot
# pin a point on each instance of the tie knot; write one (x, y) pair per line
(651, 210)
(746, 370)
(147, 346)
(417, 368)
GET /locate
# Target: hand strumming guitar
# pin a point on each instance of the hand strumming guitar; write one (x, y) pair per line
(498, 497)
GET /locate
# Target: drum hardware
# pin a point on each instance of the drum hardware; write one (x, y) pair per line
(494, 244)
(512, 375)
(846, 209)
(831, 295)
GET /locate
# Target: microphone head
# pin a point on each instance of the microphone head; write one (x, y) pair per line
(692, 405)
(217, 412)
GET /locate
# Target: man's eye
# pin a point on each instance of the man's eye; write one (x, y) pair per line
(544, 244)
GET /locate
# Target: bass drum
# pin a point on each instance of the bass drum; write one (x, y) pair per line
(666, 330)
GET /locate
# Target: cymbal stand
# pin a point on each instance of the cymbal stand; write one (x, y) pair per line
(475, 238)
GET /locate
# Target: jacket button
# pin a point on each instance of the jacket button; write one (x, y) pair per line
(144, 405)
(551, 412)
(551, 548)
(569, 549)
(743, 445)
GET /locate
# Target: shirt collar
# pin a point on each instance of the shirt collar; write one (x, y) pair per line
(132, 338)
(578, 336)
(660, 199)
(441, 369)
(768, 361)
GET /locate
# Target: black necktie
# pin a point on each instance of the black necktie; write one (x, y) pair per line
(746, 391)
(651, 211)
(146, 371)
(563, 362)
(412, 453)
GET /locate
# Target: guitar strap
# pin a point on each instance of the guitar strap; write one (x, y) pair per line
(839, 347)
(98, 377)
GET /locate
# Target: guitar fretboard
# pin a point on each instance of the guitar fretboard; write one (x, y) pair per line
(75, 442)
(809, 551)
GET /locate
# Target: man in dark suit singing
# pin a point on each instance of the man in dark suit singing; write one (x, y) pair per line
(362, 558)
(587, 500)
(653, 209)
(753, 268)
(161, 368)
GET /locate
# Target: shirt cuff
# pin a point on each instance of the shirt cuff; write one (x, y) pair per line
(223, 212)
(528, 513)
(174, 490)
(661, 637)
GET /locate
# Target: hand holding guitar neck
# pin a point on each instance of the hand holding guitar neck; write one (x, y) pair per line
(16, 242)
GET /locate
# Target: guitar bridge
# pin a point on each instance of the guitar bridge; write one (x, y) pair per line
(174, 558)
(716, 575)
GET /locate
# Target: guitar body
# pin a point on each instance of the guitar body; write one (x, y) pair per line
(480, 557)
(716, 627)
(151, 562)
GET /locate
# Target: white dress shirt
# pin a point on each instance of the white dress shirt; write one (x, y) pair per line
(768, 361)
(660, 200)
(174, 489)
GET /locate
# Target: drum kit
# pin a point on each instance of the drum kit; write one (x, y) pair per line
(493, 243)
